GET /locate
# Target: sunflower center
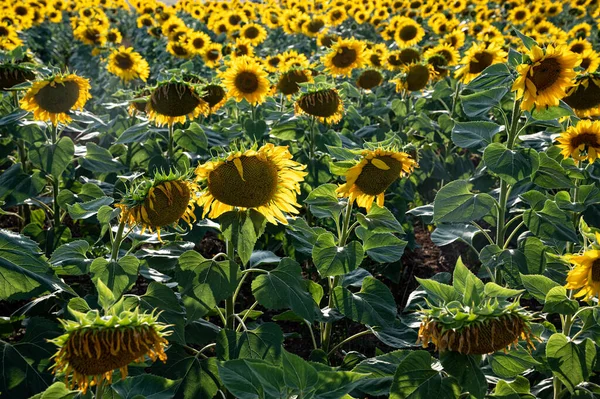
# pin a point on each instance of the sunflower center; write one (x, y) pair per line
(4, 31)
(315, 26)
(274, 61)
(408, 56)
(255, 186)
(57, 98)
(323, 103)
(180, 50)
(111, 37)
(235, 19)
(251, 33)
(480, 61)
(174, 99)
(21, 11)
(92, 35)
(577, 48)
(584, 98)
(214, 95)
(344, 58)
(596, 271)
(167, 203)
(124, 61)
(373, 180)
(198, 43)
(417, 77)
(585, 63)
(212, 55)
(246, 82)
(375, 60)
(336, 15)
(369, 79)
(288, 83)
(545, 74)
(519, 15)
(408, 33)
(587, 140)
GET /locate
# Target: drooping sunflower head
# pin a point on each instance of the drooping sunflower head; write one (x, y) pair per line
(325, 104)
(373, 174)
(584, 95)
(344, 56)
(414, 77)
(14, 74)
(94, 346)
(543, 81)
(245, 78)
(289, 80)
(215, 95)
(159, 202)
(369, 79)
(581, 141)
(128, 64)
(479, 57)
(473, 322)
(173, 101)
(585, 275)
(265, 179)
(52, 98)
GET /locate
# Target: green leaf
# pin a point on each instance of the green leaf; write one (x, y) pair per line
(518, 389)
(137, 133)
(252, 379)
(557, 301)
(494, 290)
(454, 203)
(303, 236)
(53, 158)
(571, 363)
(415, 379)
(159, 296)
(332, 260)
(336, 384)
(105, 296)
(550, 222)
(100, 160)
(447, 233)
(243, 229)
(298, 374)
(538, 286)
(466, 283)
(467, 370)
(382, 247)
(527, 41)
(264, 342)
(552, 113)
(324, 202)
(222, 278)
(438, 292)
(58, 390)
(511, 363)
(147, 386)
(84, 210)
(550, 174)
(284, 288)
(379, 220)
(16, 186)
(475, 134)
(373, 305)
(479, 104)
(494, 76)
(192, 139)
(24, 271)
(382, 369)
(72, 258)
(535, 250)
(118, 276)
(510, 165)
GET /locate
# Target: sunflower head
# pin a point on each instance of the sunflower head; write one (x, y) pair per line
(373, 174)
(159, 202)
(14, 74)
(396, 60)
(344, 56)
(94, 346)
(139, 101)
(323, 103)
(584, 95)
(265, 179)
(369, 79)
(585, 275)
(52, 98)
(414, 77)
(472, 322)
(128, 64)
(408, 33)
(215, 95)
(245, 79)
(581, 141)
(479, 57)
(173, 100)
(289, 80)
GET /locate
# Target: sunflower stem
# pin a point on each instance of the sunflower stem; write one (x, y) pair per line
(353, 337)
(99, 390)
(230, 302)
(170, 145)
(114, 256)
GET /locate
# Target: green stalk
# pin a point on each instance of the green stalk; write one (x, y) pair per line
(170, 145)
(55, 181)
(114, 255)
(229, 302)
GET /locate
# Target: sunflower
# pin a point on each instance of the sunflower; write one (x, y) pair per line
(139, 102)
(172, 101)
(324, 104)
(198, 41)
(441, 57)
(344, 56)
(93, 35)
(584, 95)
(272, 63)
(241, 48)
(408, 33)
(54, 16)
(377, 170)
(581, 141)
(246, 79)
(580, 31)
(13, 74)
(397, 59)
(266, 180)
(479, 57)
(544, 80)
(579, 46)
(180, 48)
(585, 276)
(52, 98)
(213, 55)
(254, 33)
(316, 26)
(215, 96)
(590, 60)
(159, 202)
(94, 346)
(336, 15)
(414, 77)
(127, 64)
(456, 39)
(326, 39)
(369, 79)
(289, 80)
(145, 21)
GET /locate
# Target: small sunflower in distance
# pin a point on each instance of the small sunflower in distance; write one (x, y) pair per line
(127, 64)
(159, 202)
(543, 80)
(173, 101)
(376, 171)
(325, 104)
(479, 57)
(581, 141)
(344, 56)
(52, 98)
(265, 179)
(93, 346)
(245, 79)
(585, 276)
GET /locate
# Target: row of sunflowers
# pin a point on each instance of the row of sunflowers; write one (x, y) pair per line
(299, 199)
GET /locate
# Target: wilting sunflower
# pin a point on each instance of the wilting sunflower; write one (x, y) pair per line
(14, 74)
(585, 276)
(376, 171)
(288, 81)
(52, 98)
(479, 57)
(344, 56)
(127, 64)
(212, 55)
(408, 33)
(172, 101)
(94, 346)
(325, 104)
(246, 79)
(581, 141)
(215, 96)
(543, 81)
(159, 202)
(414, 77)
(266, 180)
(584, 95)
(369, 79)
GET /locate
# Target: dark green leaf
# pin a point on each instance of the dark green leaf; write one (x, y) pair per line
(510, 165)
(475, 134)
(454, 203)
(373, 305)
(332, 260)
(118, 276)
(550, 222)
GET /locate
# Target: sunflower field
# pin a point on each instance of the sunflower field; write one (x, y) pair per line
(304, 199)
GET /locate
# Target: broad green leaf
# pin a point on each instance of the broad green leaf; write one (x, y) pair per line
(243, 229)
(252, 379)
(53, 158)
(336, 384)
(379, 220)
(16, 186)
(71, 258)
(447, 233)
(439, 292)
(550, 222)
(511, 363)
(527, 41)
(552, 113)
(58, 390)
(570, 362)
(517, 389)
(191, 139)
(454, 203)
(382, 247)
(84, 210)
(479, 103)
(298, 374)
(137, 133)
(557, 301)
(550, 174)
(303, 236)
(332, 260)
(382, 369)
(475, 134)
(510, 165)
(397, 335)
(497, 291)
(118, 276)
(147, 386)
(263, 342)
(535, 253)
(467, 370)
(538, 286)
(494, 76)
(324, 202)
(463, 279)
(99, 160)
(283, 287)
(105, 296)
(373, 305)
